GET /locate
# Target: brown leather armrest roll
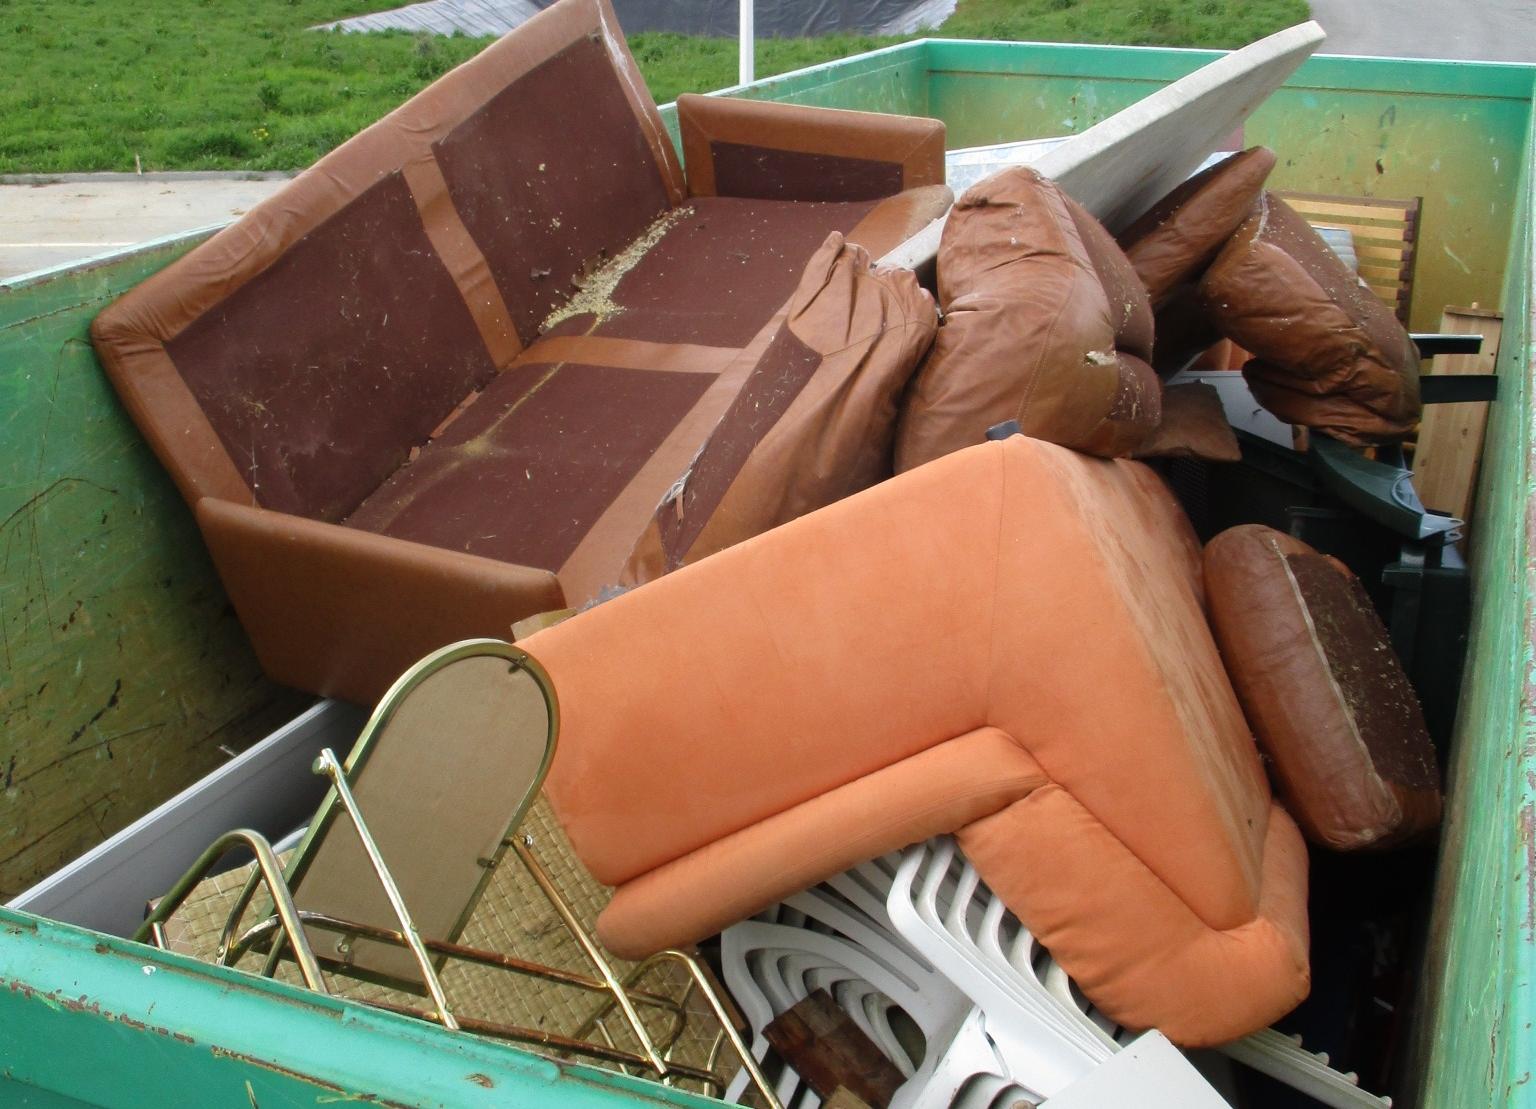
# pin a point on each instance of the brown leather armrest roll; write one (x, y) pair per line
(762, 150)
(343, 612)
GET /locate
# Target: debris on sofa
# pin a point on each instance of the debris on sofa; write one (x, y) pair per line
(1323, 690)
(1044, 323)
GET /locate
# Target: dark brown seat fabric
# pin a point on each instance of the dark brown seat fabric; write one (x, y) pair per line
(1327, 353)
(1044, 323)
(491, 346)
(1322, 690)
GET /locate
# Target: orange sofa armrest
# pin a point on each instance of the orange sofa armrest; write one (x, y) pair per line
(763, 150)
(343, 612)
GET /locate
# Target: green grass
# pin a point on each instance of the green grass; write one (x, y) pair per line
(241, 84)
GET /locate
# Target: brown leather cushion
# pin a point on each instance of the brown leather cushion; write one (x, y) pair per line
(1029, 332)
(1322, 689)
(1327, 353)
(814, 420)
(1194, 425)
(1179, 235)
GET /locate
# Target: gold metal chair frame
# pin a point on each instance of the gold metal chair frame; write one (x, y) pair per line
(282, 932)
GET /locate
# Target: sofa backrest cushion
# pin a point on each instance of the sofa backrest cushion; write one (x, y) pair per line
(552, 176)
(1172, 243)
(1030, 331)
(296, 357)
(321, 371)
(814, 420)
(1328, 353)
(1322, 689)
(769, 151)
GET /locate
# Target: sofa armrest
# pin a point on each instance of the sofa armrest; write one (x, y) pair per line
(763, 150)
(343, 612)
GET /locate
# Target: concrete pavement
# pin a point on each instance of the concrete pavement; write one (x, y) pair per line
(68, 219)
(1472, 30)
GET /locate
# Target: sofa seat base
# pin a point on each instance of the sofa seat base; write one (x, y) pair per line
(559, 463)
(526, 470)
(726, 265)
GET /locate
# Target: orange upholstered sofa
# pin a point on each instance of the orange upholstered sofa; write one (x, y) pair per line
(1008, 644)
(443, 379)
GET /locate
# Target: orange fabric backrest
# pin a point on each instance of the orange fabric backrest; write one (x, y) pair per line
(1016, 585)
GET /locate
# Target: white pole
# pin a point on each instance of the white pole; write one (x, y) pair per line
(746, 42)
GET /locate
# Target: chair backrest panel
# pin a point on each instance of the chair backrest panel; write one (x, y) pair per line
(442, 774)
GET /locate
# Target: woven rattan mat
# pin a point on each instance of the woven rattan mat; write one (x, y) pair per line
(513, 918)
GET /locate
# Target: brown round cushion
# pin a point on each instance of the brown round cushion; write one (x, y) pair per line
(1179, 235)
(1328, 353)
(1322, 690)
(1044, 323)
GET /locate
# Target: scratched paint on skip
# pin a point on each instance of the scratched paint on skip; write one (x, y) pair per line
(122, 668)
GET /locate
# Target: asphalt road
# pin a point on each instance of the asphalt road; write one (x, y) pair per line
(1477, 30)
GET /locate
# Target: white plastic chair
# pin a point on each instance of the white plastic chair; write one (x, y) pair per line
(924, 917)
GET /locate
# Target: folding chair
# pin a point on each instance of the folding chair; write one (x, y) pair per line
(445, 771)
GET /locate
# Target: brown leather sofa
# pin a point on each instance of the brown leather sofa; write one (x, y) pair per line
(1008, 643)
(443, 379)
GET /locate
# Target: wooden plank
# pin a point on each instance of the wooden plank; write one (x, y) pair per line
(123, 672)
(1371, 232)
(1450, 444)
(1361, 208)
(1392, 255)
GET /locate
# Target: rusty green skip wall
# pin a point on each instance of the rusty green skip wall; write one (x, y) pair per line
(104, 581)
(123, 672)
(1474, 1043)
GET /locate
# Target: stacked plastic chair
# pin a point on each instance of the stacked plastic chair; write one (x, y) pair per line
(917, 939)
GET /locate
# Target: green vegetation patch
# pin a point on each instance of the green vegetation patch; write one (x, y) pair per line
(243, 84)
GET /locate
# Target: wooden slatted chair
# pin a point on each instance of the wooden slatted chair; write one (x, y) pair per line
(1385, 234)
